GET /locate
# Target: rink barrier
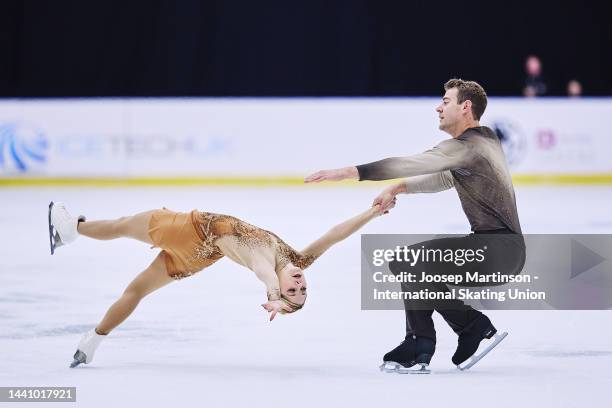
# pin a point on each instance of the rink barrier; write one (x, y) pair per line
(191, 140)
(518, 179)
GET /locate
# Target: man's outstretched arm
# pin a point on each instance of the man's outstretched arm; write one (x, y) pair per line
(449, 154)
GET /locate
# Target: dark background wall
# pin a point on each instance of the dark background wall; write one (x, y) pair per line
(296, 47)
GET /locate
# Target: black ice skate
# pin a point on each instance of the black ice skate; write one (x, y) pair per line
(470, 338)
(412, 351)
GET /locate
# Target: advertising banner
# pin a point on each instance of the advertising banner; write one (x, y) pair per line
(242, 137)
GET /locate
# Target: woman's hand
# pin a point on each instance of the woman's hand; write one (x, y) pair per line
(381, 210)
(275, 306)
(386, 200)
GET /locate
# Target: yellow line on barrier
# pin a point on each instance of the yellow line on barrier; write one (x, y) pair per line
(563, 179)
(161, 181)
(518, 179)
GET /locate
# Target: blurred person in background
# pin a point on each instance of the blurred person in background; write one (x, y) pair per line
(574, 89)
(535, 84)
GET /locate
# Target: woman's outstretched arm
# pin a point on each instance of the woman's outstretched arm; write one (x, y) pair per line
(342, 231)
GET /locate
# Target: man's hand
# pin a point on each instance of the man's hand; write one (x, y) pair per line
(275, 306)
(386, 199)
(333, 175)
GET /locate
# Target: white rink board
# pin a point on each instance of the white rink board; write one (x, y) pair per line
(246, 137)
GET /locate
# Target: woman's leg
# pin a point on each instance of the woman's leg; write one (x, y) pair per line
(151, 279)
(136, 227)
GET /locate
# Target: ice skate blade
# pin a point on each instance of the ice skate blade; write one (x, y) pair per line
(393, 367)
(54, 239)
(51, 232)
(497, 338)
(389, 367)
(79, 358)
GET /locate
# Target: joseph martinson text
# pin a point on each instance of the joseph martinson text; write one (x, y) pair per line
(496, 278)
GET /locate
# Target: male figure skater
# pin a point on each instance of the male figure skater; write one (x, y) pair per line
(472, 162)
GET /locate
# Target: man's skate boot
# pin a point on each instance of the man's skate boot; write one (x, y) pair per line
(470, 338)
(87, 348)
(62, 226)
(403, 356)
(412, 351)
(425, 349)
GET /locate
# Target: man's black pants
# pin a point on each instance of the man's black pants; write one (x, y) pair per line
(504, 253)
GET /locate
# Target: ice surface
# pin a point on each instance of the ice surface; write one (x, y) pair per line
(205, 341)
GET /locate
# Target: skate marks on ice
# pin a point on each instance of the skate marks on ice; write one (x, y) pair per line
(64, 330)
(21, 297)
(551, 353)
(34, 331)
(21, 326)
(231, 370)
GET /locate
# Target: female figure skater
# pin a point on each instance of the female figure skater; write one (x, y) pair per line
(190, 242)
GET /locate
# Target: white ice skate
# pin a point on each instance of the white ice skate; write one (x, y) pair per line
(62, 226)
(87, 348)
(497, 338)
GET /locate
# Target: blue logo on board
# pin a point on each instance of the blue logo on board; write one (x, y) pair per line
(513, 141)
(21, 147)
